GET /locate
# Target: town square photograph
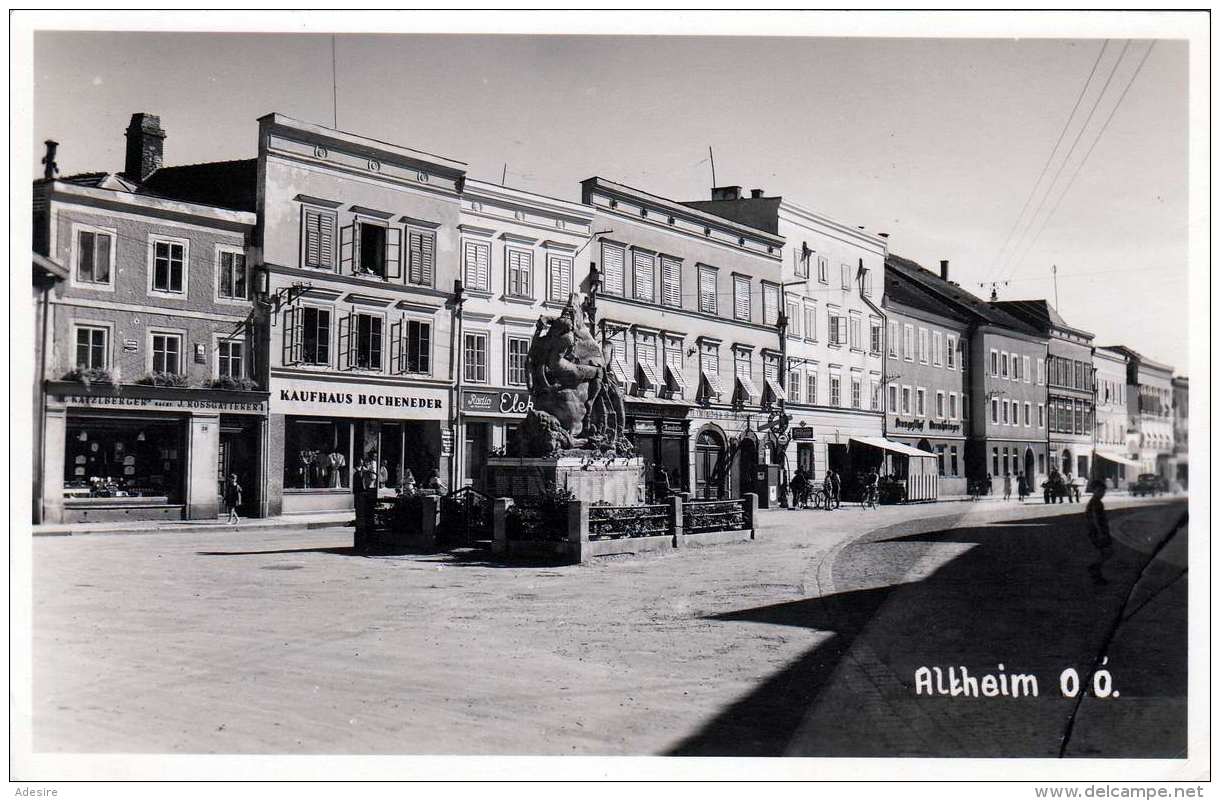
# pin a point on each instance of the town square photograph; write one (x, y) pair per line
(398, 387)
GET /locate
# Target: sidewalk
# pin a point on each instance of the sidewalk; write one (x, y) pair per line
(302, 521)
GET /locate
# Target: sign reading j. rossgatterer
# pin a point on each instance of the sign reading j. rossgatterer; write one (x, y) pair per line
(297, 396)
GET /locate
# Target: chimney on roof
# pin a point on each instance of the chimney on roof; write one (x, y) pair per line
(726, 193)
(944, 269)
(145, 145)
(49, 166)
(756, 193)
(884, 235)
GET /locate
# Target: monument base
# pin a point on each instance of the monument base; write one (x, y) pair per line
(617, 481)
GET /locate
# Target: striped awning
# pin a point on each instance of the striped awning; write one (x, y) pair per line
(746, 385)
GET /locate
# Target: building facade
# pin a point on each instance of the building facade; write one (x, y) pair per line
(1070, 386)
(1117, 449)
(926, 397)
(148, 397)
(359, 241)
(518, 255)
(827, 296)
(1005, 381)
(1150, 413)
(1181, 429)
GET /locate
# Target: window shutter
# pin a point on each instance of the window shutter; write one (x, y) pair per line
(477, 271)
(311, 225)
(612, 269)
(347, 249)
(671, 282)
(414, 257)
(288, 349)
(643, 275)
(842, 330)
(347, 343)
(429, 258)
(707, 291)
(741, 298)
(770, 304)
(397, 348)
(561, 278)
(393, 252)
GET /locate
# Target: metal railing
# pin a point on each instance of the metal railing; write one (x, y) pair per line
(617, 522)
(700, 516)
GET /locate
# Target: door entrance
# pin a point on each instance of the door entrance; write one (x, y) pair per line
(747, 465)
(709, 455)
(238, 454)
(1029, 467)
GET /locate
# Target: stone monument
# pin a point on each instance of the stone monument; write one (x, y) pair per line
(574, 436)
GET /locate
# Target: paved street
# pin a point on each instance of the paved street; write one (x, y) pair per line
(803, 642)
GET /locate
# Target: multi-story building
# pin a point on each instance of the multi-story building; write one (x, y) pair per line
(518, 262)
(1005, 380)
(1116, 451)
(927, 397)
(360, 244)
(687, 303)
(1070, 412)
(149, 401)
(1181, 428)
(47, 276)
(826, 291)
(1150, 413)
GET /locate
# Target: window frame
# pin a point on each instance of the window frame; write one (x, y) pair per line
(739, 281)
(509, 340)
(321, 211)
(236, 250)
(485, 338)
(74, 255)
(384, 336)
(551, 258)
(404, 345)
(107, 330)
(651, 255)
(468, 243)
(151, 266)
(331, 333)
(404, 256)
(713, 273)
(511, 249)
(222, 339)
(150, 336)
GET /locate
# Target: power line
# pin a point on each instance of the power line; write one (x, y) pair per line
(1033, 189)
(1009, 265)
(1068, 187)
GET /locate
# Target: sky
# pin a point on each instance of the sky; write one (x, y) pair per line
(948, 145)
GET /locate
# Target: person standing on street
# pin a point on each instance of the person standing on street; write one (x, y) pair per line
(1007, 486)
(1098, 531)
(232, 497)
(836, 485)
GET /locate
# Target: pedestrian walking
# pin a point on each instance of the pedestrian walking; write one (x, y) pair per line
(232, 498)
(797, 485)
(1098, 531)
(1022, 489)
(1007, 486)
(836, 485)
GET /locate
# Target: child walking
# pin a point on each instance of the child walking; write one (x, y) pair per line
(233, 497)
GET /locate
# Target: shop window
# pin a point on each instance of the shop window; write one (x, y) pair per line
(169, 266)
(413, 342)
(166, 353)
(92, 350)
(476, 265)
(474, 352)
(520, 272)
(560, 269)
(232, 282)
(518, 348)
(109, 458)
(319, 239)
(94, 255)
(230, 359)
(360, 341)
(317, 453)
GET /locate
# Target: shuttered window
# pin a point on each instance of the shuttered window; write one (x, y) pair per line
(612, 269)
(793, 313)
(520, 273)
(422, 246)
(770, 304)
(671, 282)
(811, 322)
(319, 236)
(741, 298)
(476, 265)
(707, 290)
(643, 269)
(560, 277)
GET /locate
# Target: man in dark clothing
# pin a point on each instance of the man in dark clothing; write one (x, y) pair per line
(836, 486)
(1099, 531)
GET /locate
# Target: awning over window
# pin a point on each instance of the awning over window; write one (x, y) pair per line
(676, 381)
(650, 374)
(893, 447)
(747, 388)
(777, 392)
(713, 383)
(619, 372)
(1114, 457)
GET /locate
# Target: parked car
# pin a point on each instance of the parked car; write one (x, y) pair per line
(1149, 484)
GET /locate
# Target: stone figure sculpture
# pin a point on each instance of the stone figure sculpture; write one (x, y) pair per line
(577, 403)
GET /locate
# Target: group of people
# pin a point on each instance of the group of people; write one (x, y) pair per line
(803, 483)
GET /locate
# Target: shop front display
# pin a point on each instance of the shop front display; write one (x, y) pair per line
(489, 419)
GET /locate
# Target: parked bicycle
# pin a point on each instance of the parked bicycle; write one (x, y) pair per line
(869, 497)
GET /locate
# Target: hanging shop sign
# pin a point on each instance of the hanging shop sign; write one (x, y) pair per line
(802, 433)
(367, 400)
(512, 402)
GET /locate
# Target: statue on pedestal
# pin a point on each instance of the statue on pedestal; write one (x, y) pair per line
(577, 403)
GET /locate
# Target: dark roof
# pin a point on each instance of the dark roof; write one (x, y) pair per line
(899, 290)
(228, 184)
(761, 212)
(1136, 356)
(1039, 313)
(952, 294)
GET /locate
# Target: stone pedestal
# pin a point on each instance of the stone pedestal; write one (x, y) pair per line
(618, 481)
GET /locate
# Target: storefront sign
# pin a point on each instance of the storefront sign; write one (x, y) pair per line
(934, 425)
(644, 426)
(909, 425)
(446, 442)
(802, 432)
(140, 398)
(514, 402)
(673, 428)
(351, 399)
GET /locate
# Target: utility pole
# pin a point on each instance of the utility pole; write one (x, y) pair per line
(1055, 279)
(712, 159)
